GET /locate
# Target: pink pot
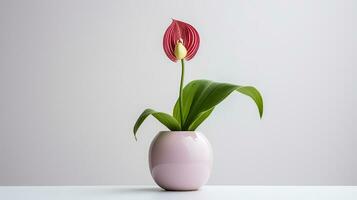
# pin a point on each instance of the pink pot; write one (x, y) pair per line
(180, 160)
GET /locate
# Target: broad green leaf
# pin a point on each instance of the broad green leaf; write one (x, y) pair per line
(200, 96)
(166, 119)
(200, 119)
(190, 94)
(255, 95)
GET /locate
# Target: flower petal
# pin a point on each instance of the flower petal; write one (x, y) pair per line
(177, 31)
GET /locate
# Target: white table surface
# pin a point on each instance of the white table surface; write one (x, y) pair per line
(153, 192)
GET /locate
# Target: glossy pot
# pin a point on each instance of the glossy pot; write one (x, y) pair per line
(180, 160)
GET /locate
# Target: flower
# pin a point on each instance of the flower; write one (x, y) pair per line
(180, 38)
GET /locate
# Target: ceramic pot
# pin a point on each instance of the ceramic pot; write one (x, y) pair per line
(180, 160)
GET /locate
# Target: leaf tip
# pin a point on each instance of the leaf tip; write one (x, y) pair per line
(136, 139)
(261, 113)
(135, 129)
(261, 110)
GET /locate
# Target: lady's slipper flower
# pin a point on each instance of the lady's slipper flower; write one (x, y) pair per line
(181, 40)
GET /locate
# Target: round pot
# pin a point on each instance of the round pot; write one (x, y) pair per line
(180, 160)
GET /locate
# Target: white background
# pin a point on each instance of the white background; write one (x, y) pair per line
(75, 75)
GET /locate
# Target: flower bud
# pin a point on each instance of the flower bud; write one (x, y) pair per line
(180, 51)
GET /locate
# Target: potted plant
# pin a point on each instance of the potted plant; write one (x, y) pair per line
(181, 158)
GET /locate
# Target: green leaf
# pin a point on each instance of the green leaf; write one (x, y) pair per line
(201, 96)
(166, 119)
(255, 95)
(200, 119)
(190, 94)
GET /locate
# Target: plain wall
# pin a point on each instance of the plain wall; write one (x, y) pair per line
(75, 75)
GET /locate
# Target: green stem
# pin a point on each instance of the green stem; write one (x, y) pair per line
(180, 95)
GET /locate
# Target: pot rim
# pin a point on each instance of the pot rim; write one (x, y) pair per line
(180, 132)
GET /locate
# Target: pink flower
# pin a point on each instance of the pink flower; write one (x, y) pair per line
(181, 32)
